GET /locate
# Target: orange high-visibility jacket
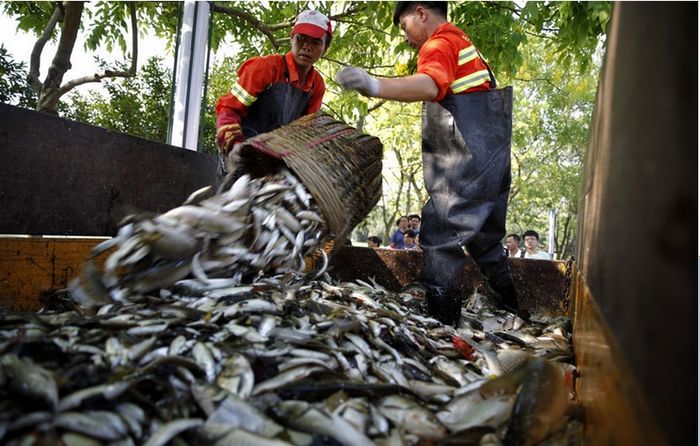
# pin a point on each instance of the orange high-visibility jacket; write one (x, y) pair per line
(453, 62)
(254, 77)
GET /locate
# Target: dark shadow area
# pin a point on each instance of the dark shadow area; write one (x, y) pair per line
(67, 178)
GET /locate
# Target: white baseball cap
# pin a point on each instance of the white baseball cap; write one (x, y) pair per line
(312, 23)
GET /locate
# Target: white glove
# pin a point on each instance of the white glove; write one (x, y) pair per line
(353, 78)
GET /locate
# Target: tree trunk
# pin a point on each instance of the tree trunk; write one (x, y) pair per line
(49, 96)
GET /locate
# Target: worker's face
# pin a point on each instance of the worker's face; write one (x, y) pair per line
(307, 50)
(415, 27)
(415, 223)
(530, 241)
(512, 244)
(403, 223)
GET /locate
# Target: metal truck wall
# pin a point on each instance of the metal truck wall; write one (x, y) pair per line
(62, 177)
(638, 207)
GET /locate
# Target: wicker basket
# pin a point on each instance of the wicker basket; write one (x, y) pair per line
(341, 167)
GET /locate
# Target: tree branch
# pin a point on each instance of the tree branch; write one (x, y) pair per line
(345, 64)
(252, 20)
(419, 192)
(376, 106)
(518, 12)
(539, 36)
(539, 79)
(268, 30)
(97, 77)
(357, 7)
(336, 18)
(134, 40)
(35, 61)
(364, 26)
(61, 62)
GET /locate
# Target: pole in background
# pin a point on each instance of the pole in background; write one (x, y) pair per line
(550, 234)
(189, 74)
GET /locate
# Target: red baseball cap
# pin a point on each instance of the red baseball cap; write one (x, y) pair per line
(312, 23)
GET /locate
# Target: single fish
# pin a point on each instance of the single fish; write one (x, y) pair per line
(29, 380)
(540, 407)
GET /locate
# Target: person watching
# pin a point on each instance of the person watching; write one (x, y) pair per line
(397, 241)
(374, 242)
(532, 250)
(409, 238)
(414, 223)
(513, 246)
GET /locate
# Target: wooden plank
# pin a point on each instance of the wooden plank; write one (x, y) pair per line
(616, 407)
(32, 266)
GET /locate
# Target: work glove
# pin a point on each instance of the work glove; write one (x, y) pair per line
(226, 136)
(353, 78)
(233, 160)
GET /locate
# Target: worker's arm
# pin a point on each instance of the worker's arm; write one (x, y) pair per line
(253, 77)
(417, 87)
(228, 128)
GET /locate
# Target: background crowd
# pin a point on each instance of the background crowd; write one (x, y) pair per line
(407, 236)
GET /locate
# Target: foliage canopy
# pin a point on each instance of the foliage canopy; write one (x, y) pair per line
(549, 51)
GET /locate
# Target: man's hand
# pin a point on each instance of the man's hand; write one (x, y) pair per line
(226, 136)
(353, 78)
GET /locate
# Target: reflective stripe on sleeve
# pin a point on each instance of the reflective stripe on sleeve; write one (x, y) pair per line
(228, 128)
(472, 80)
(467, 55)
(242, 95)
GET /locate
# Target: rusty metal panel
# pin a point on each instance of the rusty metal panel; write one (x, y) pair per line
(617, 412)
(62, 177)
(541, 284)
(637, 231)
(32, 267)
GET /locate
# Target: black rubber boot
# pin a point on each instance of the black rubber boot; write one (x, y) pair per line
(444, 305)
(504, 286)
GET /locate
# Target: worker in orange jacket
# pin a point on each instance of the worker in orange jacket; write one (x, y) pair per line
(466, 154)
(271, 91)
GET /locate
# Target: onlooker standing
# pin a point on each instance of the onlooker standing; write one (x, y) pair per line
(414, 223)
(532, 251)
(397, 238)
(374, 242)
(409, 238)
(513, 246)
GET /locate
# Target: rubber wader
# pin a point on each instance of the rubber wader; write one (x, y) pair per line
(466, 162)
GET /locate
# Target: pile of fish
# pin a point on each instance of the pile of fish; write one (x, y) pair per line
(204, 329)
(281, 363)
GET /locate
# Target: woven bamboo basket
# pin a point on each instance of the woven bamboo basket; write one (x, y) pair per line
(340, 166)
